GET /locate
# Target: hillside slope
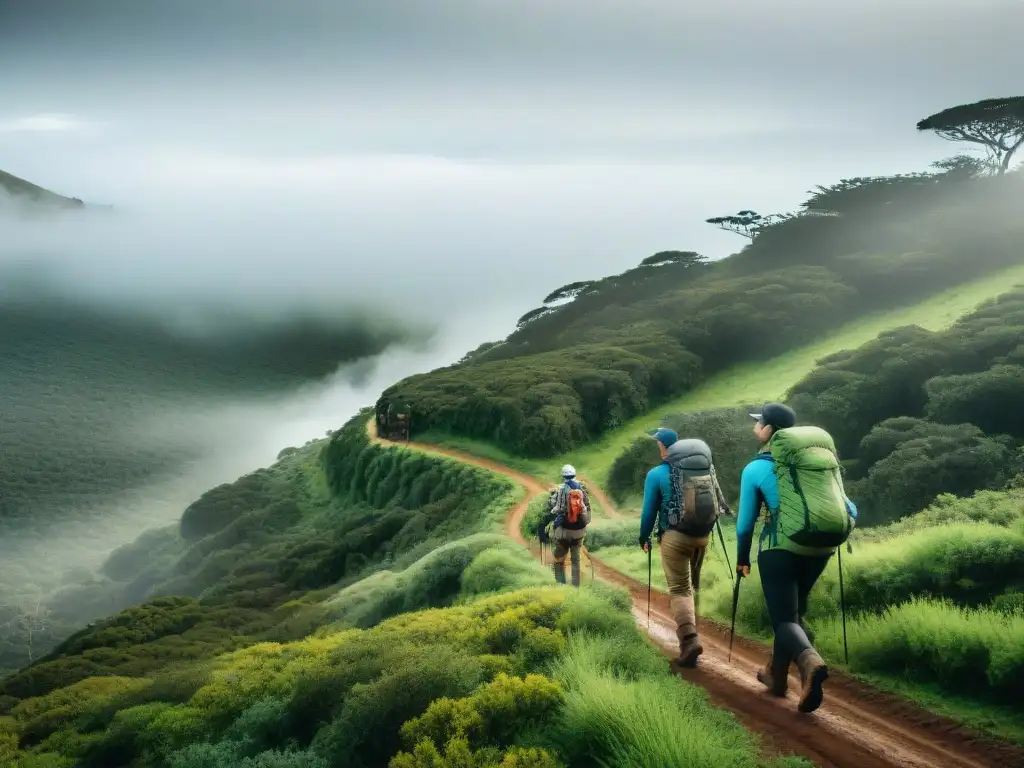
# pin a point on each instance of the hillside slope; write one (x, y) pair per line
(20, 190)
(293, 653)
(857, 727)
(749, 383)
(600, 353)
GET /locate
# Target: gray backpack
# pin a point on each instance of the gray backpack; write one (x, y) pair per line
(693, 507)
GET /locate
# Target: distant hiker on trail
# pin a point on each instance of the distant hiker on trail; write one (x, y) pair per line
(569, 510)
(796, 477)
(682, 496)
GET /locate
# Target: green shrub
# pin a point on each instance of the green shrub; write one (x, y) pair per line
(969, 564)
(500, 569)
(368, 723)
(974, 652)
(612, 533)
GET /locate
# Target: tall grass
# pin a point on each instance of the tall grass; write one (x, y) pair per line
(974, 651)
(623, 709)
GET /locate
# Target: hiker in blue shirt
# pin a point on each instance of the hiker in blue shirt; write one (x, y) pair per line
(682, 554)
(788, 570)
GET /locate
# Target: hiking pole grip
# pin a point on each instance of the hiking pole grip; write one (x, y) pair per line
(842, 607)
(735, 602)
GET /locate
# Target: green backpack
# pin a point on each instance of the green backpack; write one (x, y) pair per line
(812, 502)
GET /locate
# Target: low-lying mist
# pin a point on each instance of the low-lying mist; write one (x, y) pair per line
(151, 352)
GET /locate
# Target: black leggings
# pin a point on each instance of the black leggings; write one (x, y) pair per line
(787, 580)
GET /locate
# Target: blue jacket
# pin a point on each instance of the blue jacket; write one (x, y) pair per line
(758, 486)
(657, 491)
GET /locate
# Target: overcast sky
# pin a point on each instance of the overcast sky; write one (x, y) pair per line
(496, 149)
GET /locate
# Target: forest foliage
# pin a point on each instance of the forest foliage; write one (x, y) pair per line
(506, 677)
(606, 350)
(915, 414)
(328, 513)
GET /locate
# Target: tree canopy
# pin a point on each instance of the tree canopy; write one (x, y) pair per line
(570, 291)
(662, 258)
(749, 224)
(996, 124)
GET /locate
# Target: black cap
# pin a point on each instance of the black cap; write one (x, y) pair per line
(776, 415)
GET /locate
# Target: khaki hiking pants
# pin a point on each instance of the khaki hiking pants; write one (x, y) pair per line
(682, 557)
(567, 543)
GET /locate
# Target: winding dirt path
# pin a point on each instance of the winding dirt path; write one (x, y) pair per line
(856, 727)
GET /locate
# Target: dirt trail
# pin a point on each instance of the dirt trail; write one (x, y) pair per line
(856, 727)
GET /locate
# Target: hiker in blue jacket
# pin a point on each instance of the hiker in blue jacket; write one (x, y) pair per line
(568, 535)
(682, 555)
(788, 570)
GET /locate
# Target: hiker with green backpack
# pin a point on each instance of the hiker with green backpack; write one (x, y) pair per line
(683, 501)
(796, 478)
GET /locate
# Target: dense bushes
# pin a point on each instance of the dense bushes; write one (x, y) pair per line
(917, 414)
(326, 514)
(620, 345)
(504, 681)
(919, 469)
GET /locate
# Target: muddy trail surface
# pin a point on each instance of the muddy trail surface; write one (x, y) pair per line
(856, 726)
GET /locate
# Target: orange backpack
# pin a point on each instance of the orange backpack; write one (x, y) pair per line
(575, 506)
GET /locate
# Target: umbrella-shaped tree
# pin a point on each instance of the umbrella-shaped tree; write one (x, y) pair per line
(996, 124)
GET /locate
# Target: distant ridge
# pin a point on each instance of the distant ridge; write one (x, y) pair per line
(26, 191)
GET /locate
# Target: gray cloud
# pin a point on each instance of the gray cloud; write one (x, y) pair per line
(435, 157)
(527, 79)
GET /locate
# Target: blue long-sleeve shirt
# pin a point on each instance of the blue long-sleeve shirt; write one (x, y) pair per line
(657, 489)
(758, 486)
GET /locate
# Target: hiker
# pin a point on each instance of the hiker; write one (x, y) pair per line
(569, 510)
(796, 478)
(683, 499)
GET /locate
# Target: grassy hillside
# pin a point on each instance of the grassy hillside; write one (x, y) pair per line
(935, 600)
(534, 678)
(310, 618)
(324, 514)
(106, 418)
(935, 604)
(750, 383)
(601, 353)
(21, 191)
(898, 406)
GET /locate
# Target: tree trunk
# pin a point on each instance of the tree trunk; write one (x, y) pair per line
(1005, 164)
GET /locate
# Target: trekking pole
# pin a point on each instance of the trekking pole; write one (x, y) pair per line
(649, 557)
(725, 551)
(735, 602)
(842, 607)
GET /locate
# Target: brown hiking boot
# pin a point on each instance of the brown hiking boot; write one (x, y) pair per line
(774, 676)
(813, 673)
(689, 648)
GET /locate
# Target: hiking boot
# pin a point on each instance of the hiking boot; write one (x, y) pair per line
(813, 673)
(689, 648)
(774, 676)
